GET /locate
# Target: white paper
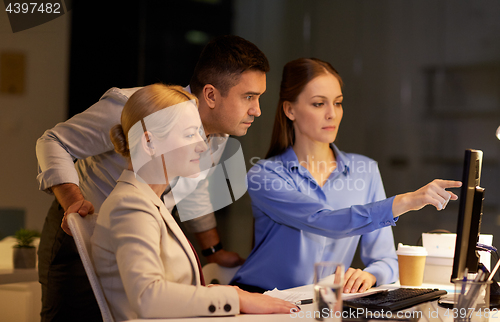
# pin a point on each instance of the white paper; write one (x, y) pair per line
(295, 296)
(290, 296)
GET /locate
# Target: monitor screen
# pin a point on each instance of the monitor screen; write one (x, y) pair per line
(469, 216)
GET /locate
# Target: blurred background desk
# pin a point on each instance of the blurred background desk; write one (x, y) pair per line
(20, 292)
(20, 295)
(8, 276)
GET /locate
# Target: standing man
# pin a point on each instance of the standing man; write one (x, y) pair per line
(228, 80)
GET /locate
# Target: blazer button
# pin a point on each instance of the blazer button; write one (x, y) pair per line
(211, 308)
(227, 307)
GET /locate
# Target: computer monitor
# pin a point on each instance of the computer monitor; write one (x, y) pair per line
(469, 216)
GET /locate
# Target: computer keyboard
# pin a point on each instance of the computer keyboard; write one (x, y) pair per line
(395, 300)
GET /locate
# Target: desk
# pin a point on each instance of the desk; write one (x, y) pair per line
(426, 312)
(8, 276)
(422, 312)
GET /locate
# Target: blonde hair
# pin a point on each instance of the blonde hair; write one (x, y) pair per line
(141, 104)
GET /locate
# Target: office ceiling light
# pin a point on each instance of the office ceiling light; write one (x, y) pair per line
(498, 133)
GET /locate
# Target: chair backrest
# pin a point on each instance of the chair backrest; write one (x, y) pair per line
(82, 229)
(216, 274)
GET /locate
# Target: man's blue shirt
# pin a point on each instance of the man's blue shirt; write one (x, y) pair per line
(298, 223)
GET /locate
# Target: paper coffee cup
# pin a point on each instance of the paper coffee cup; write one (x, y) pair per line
(411, 260)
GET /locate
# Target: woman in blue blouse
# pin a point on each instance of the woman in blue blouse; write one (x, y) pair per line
(305, 194)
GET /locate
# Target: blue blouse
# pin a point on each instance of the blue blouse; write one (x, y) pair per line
(298, 223)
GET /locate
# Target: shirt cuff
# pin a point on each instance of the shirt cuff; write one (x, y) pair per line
(53, 177)
(201, 224)
(386, 272)
(386, 208)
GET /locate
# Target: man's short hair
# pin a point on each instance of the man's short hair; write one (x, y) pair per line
(222, 62)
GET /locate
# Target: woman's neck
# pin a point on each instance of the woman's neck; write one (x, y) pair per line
(158, 189)
(318, 151)
(317, 157)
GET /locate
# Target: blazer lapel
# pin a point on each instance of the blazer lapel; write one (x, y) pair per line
(129, 177)
(185, 244)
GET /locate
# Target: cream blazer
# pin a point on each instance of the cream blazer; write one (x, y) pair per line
(144, 262)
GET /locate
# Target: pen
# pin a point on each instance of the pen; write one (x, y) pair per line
(493, 271)
(308, 301)
(479, 276)
(474, 291)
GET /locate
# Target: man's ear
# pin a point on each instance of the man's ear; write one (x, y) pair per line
(209, 94)
(147, 143)
(288, 109)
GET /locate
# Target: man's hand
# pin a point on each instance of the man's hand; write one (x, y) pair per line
(210, 238)
(71, 200)
(83, 208)
(357, 280)
(226, 258)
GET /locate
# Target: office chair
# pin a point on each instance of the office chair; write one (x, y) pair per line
(82, 229)
(216, 274)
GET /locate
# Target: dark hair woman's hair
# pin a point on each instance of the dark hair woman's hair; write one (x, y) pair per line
(296, 75)
(222, 62)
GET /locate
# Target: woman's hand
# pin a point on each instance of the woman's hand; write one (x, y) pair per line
(433, 193)
(357, 280)
(263, 304)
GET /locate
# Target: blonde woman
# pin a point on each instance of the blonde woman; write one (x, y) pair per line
(145, 263)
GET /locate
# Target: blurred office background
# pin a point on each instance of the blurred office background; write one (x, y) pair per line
(422, 84)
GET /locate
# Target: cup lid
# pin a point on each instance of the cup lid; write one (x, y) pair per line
(411, 250)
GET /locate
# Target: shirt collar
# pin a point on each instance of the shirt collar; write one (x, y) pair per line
(290, 160)
(342, 159)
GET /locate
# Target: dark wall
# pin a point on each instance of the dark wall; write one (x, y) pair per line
(136, 45)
